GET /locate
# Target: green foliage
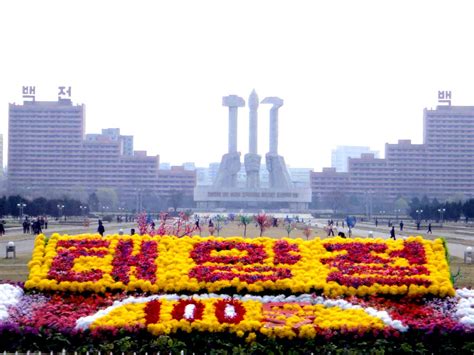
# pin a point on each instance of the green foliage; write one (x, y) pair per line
(226, 343)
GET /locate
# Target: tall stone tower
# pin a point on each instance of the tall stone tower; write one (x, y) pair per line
(252, 159)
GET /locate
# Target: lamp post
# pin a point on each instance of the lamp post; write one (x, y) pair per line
(418, 212)
(441, 212)
(21, 206)
(381, 214)
(83, 209)
(397, 211)
(60, 210)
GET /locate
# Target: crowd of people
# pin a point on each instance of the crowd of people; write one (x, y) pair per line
(35, 226)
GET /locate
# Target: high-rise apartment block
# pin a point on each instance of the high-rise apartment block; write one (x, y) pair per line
(177, 178)
(47, 151)
(441, 167)
(340, 156)
(113, 134)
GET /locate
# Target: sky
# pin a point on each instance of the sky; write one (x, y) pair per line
(349, 72)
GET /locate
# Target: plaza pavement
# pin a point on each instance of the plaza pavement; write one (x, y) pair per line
(24, 242)
(458, 237)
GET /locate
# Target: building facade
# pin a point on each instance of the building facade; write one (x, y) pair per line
(176, 179)
(340, 156)
(441, 167)
(47, 151)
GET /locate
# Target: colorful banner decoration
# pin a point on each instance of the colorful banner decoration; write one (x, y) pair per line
(335, 266)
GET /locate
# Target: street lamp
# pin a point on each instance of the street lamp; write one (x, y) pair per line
(60, 209)
(397, 211)
(21, 206)
(83, 209)
(441, 212)
(418, 212)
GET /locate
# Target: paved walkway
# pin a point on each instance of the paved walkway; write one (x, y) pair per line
(24, 242)
(456, 241)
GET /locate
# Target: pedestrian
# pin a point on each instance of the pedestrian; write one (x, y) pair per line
(45, 222)
(376, 222)
(392, 233)
(401, 226)
(2, 228)
(211, 224)
(198, 227)
(349, 233)
(132, 231)
(25, 224)
(101, 228)
(429, 229)
(330, 230)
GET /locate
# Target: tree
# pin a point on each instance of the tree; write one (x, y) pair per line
(175, 199)
(12, 203)
(263, 222)
(107, 198)
(336, 200)
(415, 204)
(402, 205)
(245, 220)
(37, 207)
(453, 210)
(468, 208)
(3, 206)
(93, 202)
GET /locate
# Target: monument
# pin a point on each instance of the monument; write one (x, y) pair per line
(225, 194)
(252, 159)
(230, 163)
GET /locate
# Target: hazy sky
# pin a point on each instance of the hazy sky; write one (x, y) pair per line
(350, 72)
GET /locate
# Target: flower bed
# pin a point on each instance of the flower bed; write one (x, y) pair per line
(303, 316)
(87, 291)
(336, 266)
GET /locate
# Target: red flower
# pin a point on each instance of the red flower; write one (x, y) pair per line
(179, 310)
(152, 312)
(229, 311)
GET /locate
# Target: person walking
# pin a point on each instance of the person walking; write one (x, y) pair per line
(197, 226)
(2, 228)
(401, 226)
(429, 229)
(101, 228)
(376, 222)
(392, 233)
(330, 230)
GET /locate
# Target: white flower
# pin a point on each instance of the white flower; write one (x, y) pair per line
(9, 296)
(230, 311)
(189, 311)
